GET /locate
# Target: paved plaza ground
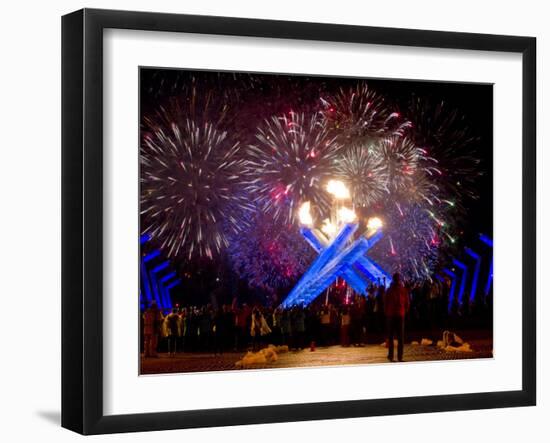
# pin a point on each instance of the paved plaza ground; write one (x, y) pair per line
(323, 356)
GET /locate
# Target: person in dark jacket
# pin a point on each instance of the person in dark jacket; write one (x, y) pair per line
(173, 331)
(396, 305)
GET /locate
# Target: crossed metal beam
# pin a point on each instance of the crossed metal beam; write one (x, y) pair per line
(336, 259)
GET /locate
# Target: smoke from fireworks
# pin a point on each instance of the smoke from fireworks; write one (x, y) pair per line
(191, 188)
(292, 159)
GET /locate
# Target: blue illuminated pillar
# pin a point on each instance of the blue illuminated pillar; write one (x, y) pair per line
(489, 242)
(453, 287)
(477, 258)
(145, 281)
(489, 280)
(168, 277)
(151, 256)
(146, 284)
(149, 277)
(157, 287)
(464, 269)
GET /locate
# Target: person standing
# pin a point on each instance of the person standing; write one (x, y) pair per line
(173, 330)
(325, 326)
(345, 320)
(183, 328)
(258, 329)
(218, 330)
(277, 327)
(229, 327)
(433, 307)
(286, 328)
(298, 327)
(242, 320)
(396, 305)
(152, 324)
(205, 329)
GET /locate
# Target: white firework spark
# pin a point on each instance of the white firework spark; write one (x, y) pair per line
(191, 186)
(290, 162)
(362, 169)
(361, 112)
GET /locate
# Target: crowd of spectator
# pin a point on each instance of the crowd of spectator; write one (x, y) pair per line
(354, 321)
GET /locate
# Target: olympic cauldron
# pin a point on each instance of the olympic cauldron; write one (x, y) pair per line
(339, 254)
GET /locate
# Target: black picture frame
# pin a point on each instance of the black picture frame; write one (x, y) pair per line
(82, 218)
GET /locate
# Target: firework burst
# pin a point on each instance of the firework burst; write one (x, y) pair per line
(403, 162)
(290, 162)
(222, 143)
(365, 173)
(191, 189)
(360, 112)
(411, 239)
(445, 136)
(208, 96)
(269, 254)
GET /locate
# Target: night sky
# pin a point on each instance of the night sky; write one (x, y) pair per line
(239, 103)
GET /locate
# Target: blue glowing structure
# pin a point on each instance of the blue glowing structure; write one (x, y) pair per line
(489, 280)
(453, 287)
(156, 289)
(337, 258)
(154, 285)
(151, 256)
(489, 242)
(161, 266)
(477, 268)
(464, 270)
(466, 273)
(144, 238)
(145, 282)
(168, 277)
(173, 284)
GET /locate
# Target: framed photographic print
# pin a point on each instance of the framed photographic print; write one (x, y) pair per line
(281, 221)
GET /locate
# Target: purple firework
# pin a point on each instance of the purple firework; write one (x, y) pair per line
(191, 185)
(268, 254)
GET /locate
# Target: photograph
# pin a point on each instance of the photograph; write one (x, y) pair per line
(265, 221)
(295, 221)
